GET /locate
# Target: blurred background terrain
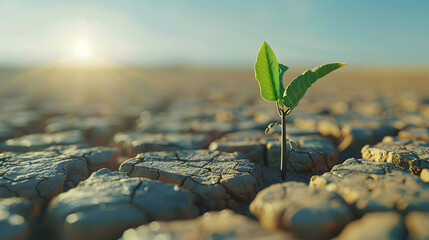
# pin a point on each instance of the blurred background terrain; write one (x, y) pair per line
(115, 61)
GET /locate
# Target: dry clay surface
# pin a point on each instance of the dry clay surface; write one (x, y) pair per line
(349, 191)
(411, 155)
(133, 143)
(47, 190)
(212, 225)
(39, 141)
(108, 203)
(42, 175)
(312, 152)
(218, 180)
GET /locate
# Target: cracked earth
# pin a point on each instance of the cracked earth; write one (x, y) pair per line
(198, 165)
(218, 180)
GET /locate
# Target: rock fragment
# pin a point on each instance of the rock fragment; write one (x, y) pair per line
(411, 155)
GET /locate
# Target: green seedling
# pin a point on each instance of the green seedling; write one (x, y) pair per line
(269, 74)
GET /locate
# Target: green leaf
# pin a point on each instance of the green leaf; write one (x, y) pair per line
(298, 87)
(267, 73)
(282, 70)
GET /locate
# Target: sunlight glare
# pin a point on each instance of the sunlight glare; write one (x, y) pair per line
(82, 50)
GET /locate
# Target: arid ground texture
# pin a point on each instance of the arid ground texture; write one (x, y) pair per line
(115, 152)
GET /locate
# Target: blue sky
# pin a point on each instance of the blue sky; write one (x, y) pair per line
(216, 32)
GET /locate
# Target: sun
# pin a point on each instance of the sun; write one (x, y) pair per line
(82, 50)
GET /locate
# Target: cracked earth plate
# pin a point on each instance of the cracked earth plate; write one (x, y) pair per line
(218, 180)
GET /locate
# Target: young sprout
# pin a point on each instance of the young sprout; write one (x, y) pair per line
(269, 74)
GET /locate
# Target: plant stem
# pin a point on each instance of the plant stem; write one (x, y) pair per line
(283, 164)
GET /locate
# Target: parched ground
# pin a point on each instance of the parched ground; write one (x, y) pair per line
(181, 153)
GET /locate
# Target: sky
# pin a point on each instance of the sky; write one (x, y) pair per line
(212, 33)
